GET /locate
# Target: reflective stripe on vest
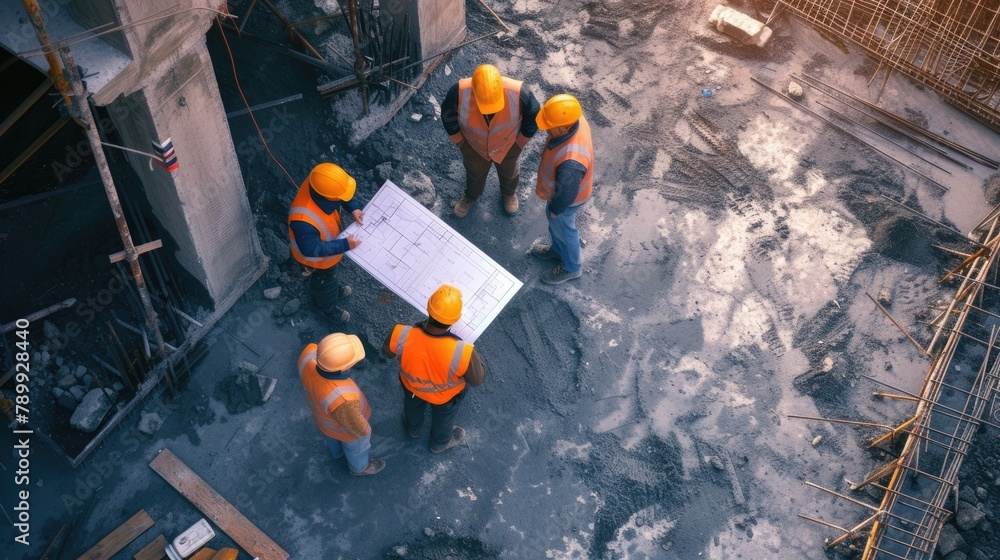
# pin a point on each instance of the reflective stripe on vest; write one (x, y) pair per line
(578, 148)
(491, 141)
(326, 424)
(305, 210)
(435, 393)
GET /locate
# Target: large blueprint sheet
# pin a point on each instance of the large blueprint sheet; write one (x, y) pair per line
(412, 252)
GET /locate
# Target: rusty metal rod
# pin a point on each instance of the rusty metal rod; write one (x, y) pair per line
(844, 130)
(837, 421)
(898, 326)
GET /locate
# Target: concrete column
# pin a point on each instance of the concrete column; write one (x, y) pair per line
(169, 91)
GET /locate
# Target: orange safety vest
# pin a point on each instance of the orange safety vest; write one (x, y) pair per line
(576, 148)
(305, 210)
(325, 395)
(431, 367)
(492, 141)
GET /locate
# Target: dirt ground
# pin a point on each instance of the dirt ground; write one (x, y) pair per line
(639, 412)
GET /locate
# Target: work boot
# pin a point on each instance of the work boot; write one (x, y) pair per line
(457, 437)
(463, 206)
(545, 253)
(510, 204)
(374, 466)
(414, 434)
(337, 315)
(559, 274)
(345, 291)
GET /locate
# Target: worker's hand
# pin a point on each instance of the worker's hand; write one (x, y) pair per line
(357, 216)
(353, 242)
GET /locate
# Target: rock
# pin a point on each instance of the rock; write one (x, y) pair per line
(87, 417)
(66, 401)
(794, 90)
(428, 531)
(50, 330)
(118, 386)
(274, 246)
(291, 307)
(420, 187)
(244, 391)
(885, 297)
(383, 172)
(66, 381)
(87, 381)
(150, 423)
(816, 440)
(80, 372)
(57, 392)
(981, 493)
(415, 117)
(63, 370)
(78, 392)
(968, 515)
(59, 361)
(247, 367)
(272, 293)
(950, 540)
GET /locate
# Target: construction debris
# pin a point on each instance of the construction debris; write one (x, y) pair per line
(244, 391)
(120, 537)
(740, 26)
(91, 410)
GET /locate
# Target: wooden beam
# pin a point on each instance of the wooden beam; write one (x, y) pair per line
(155, 550)
(139, 249)
(120, 537)
(26, 154)
(28, 103)
(215, 507)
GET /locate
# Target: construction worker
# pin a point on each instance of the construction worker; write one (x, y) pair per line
(490, 118)
(313, 226)
(338, 406)
(434, 368)
(565, 178)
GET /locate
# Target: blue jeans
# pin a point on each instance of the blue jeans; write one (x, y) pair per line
(356, 451)
(565, 237)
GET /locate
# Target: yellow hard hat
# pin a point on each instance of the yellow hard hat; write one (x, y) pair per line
(332, 182)
(560, 110)
(339, 351)
(487, 88)
(445, 305)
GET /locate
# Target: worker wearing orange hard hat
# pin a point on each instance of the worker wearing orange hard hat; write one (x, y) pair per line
(565, 179)
(435, 366)
(490, 118)
(314, 223)
(339, 408)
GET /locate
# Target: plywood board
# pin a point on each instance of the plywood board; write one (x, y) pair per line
(216, 508)
(120, 537)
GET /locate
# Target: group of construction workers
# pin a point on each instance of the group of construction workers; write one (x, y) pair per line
(490, 118)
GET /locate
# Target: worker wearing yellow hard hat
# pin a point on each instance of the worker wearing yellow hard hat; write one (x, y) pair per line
(435, 366)
(565, 179)
(314, 223)
(339, 408)
(490, 118)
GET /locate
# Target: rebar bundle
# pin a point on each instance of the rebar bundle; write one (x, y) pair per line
(952, 46)
(949, 410)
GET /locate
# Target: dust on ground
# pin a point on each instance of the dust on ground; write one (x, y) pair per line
(640, 412)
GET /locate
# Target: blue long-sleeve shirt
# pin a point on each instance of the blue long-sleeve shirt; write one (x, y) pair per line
(569, 176)
(307, 237)
(529, 109)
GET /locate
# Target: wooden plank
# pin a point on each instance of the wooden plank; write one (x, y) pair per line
(120, 537)
(140, 249)
(154, 550)
(30, 151)
(215, 507)
(25, 105)
(203, 554)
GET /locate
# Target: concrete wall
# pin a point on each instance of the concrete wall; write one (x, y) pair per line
(440, 22)
(169, 90)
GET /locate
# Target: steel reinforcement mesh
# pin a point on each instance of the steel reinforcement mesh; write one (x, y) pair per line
(952, 46)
